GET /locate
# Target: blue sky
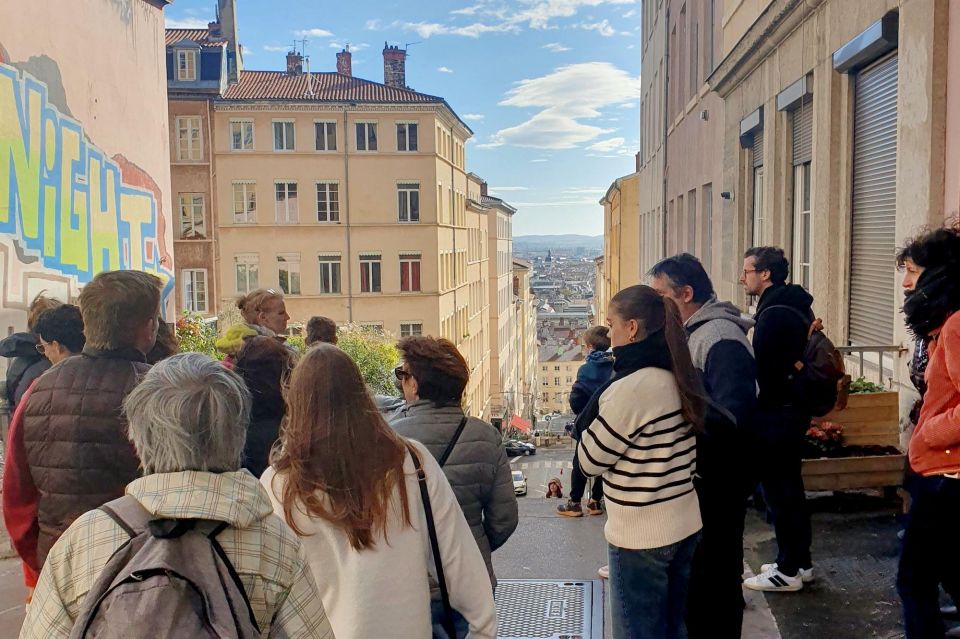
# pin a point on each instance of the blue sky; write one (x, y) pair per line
(550, 87)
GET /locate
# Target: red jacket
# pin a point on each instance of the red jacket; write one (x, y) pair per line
(935, 444)
(20, 496)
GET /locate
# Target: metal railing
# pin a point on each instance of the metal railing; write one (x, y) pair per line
(877, 358)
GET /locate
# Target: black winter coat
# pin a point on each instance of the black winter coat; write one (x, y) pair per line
(27, 364)
(779, 339)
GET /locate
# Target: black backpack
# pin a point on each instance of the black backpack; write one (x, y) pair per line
(170, 580)
(821, 381)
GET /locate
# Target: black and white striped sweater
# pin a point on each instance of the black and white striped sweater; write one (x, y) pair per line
(646, 452)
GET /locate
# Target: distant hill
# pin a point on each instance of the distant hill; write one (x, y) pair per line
(544, 242)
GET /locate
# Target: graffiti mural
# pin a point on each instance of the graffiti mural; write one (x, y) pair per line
(65, 206)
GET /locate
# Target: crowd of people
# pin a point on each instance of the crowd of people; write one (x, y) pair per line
(272, 494)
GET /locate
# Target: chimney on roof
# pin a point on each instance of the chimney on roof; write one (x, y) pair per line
(227, 25)
(294, 63)
(394, 66)
(213, 30)
(345, 62)
(483, 189)
(638, 161)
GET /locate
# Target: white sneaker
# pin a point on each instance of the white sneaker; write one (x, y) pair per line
(604, 572)
(774, 581)
(806, 574)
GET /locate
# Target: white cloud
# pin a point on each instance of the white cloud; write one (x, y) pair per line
(607, 146)
(541, 12)
(603, 28)
(556, 47)
(312, 33)
(585, 190)
(475, 117)
(508, 189)
(373, 25)
(275, 49)
(429, 29)
(186, 23)
(630, 13)
(354, 48)
(444, 70)
(566, 97)
(468, 11)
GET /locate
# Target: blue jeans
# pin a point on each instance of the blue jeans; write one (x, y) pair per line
(648, 590)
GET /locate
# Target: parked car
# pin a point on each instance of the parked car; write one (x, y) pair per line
(519, 482)
(516, 448)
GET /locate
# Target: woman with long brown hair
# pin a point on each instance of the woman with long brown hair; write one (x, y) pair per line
(348, 486)
(639, 434)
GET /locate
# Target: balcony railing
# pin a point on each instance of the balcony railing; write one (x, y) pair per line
(873, 360)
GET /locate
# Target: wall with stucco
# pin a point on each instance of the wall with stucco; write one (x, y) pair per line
(84, 164)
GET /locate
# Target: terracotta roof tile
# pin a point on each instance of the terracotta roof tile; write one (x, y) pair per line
(327, 87)
(200, 36)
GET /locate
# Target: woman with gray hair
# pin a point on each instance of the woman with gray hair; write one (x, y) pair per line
(187, 421)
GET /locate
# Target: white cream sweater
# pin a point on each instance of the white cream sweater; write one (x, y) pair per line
(384, 591)
(646, 452)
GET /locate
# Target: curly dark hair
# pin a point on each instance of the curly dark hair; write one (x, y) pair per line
(436, 363)
(321, 329)
(933, 247)
(62, 324)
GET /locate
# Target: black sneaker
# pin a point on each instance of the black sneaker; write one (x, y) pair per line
(570, 509)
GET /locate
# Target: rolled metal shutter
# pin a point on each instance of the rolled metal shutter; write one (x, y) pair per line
(758, 148)
(802, 120)
(873, 230)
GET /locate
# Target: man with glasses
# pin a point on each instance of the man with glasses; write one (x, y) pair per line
(60, 335)
(783, 320)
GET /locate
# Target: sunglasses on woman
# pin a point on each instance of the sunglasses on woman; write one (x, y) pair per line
(400, 373)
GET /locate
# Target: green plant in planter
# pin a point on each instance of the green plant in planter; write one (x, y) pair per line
(860, 386)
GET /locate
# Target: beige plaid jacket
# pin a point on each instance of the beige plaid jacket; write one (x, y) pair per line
(264, 552)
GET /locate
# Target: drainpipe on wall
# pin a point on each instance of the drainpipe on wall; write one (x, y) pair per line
(212, 280)
(453, 197)
(346, 216)
(666, 121)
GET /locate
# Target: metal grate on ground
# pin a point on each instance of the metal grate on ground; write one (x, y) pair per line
(549, 609)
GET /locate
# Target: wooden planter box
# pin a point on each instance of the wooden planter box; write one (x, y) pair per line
(845, 473)
(869, 419)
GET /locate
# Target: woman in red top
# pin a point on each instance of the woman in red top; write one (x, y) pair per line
(932, 278)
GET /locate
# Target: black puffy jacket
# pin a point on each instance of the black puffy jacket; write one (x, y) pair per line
(27, 364)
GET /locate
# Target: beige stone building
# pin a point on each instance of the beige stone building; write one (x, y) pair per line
(601, 294)
(558, 371)
(525, 318)
(89, 77)
(504, 396)
(834, 147)
(621, 235)
(478, 259)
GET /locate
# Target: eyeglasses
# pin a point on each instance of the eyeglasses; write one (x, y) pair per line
(749, 270)
(400, 373)
(41, 349)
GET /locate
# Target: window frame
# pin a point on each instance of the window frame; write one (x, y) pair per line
(185, 281)
(371, 273)
(326, 135)
(193, 56)
(248, 260)
(248, 217)
(276, 200)
(406, 125)
(293, 135)
(193, 206)
(334, 276)
(290, 259)
(802, 270)
(405, 199)
(366, 124)
(411, 262)
(183, 124)
(407, 330)
(242, 123)
(332, 203)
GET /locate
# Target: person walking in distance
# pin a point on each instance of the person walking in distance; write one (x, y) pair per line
(717, 337)
(641, 436)
(783, 320)
(78, 454)
(931, 305)
(594, 373)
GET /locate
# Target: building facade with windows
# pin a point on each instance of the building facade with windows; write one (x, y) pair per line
(525, 318)
(558, 372)
(622, 246)
(201, 64)
(504, 393)
(834, 148)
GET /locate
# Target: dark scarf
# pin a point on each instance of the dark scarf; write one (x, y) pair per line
(935, 297)
(651, 352)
